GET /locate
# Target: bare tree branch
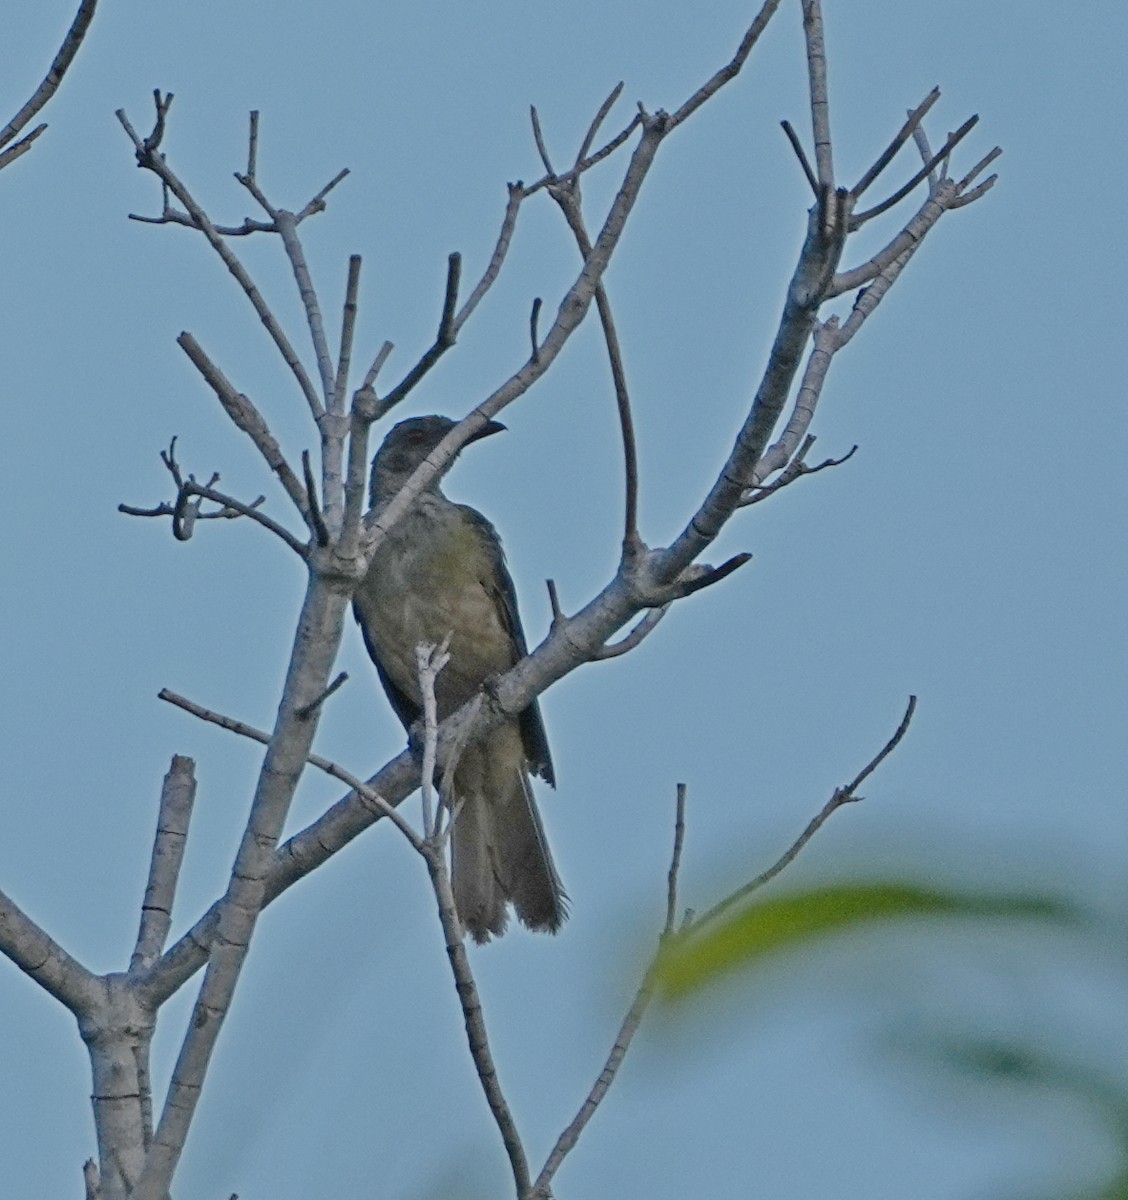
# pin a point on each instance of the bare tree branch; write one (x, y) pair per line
(534, 335)
(22, 146)
(247, 417)
(538, 137)
(566, 1142)
(262, 871)
(732, 68)
(567, 198)
(177, 798)
(377, 366)
(365, 408)
(593, 128)
(954, 139)
(906, 131)
(795, 469)
(41, 958)
(842, 795)
(372, 800)
(185, 512)
(149, 157)
(319, 630)
(675, 864)
(320, 530)
(816, 82)
(58, 68)
(315, 322)
(637, 635)
(801, 155)
(493, 267)
(348, 329)
(444, 339)
(307, 710)
(430, 660)
(589, 162)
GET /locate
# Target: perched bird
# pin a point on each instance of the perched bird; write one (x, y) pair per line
(441, 571)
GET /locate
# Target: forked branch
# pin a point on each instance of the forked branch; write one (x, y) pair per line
(43, 93)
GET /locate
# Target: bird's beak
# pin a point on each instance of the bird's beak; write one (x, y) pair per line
(490, 427)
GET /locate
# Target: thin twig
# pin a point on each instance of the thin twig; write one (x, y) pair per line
(178, 795)
(365, 408)
(230, 509)
(444, 339)
(538, 137)
(247, 417)
(172, 216)
(567, 198)
(53, 78)
(796, 469)
(371, 798)
(732, 68)
(252, 144)
(697, 576)
(377, 366)
(348, 328)
(976, 192)
(975, 171)
(675, 864)
(954, 139)
(317, 204)
(597, 121)
(554, 601)
(642, 630)
(801, 155)
(814, 37)
(429, 661)
(307, 710)
(321, 533)
(592, 160)
(493, 267)
(841, 796)
(883, 753)
(149, 158)
(91, 1179)
(902, 136)
(567, 1140)
(20, 148)
(295, 252)
(534, 317)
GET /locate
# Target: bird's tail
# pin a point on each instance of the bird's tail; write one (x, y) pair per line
(499, 853)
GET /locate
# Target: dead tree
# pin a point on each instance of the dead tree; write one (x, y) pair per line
(329, 531)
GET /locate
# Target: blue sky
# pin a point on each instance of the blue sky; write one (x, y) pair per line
(972, 552)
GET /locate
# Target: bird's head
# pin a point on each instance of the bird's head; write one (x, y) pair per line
(406, 446)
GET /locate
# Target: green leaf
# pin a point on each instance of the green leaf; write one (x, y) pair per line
(697, 957)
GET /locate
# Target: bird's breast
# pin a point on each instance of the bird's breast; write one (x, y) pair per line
(428, 579)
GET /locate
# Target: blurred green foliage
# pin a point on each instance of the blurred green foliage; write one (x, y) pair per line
(740, 938)
(715, 947)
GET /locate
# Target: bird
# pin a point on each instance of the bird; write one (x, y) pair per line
(440, 572)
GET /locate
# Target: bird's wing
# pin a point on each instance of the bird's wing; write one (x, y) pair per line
(504, 595)
(406, 709)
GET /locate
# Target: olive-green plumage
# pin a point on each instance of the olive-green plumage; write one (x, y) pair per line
(441, 570)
